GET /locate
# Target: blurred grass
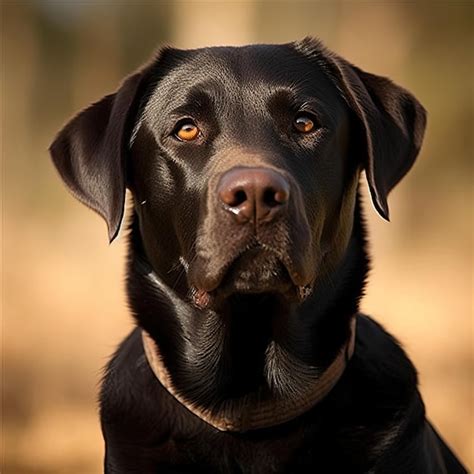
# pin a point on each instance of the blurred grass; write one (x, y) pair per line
(63, 302)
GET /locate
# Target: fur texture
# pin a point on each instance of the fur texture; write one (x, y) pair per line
(261, 304)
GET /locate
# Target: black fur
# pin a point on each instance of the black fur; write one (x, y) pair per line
(264, 305)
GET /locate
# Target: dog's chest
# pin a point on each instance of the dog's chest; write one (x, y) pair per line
(296, 452)
(244, 454)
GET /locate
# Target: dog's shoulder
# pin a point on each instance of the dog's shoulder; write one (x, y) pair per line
(381, 358)
(379, 402)
(384, 385)
(381, 381)
(130, 395)
(137, 415)
(125, 373)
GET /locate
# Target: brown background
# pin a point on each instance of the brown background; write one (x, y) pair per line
(63, 303)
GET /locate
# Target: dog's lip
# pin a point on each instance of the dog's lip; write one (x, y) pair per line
(211, 284)
(204, 300)
(292, 285)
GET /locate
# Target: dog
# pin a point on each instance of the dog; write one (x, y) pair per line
(247, 261)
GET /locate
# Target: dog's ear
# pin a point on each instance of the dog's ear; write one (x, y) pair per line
(391, 121)
(393, 124)
(90, 151)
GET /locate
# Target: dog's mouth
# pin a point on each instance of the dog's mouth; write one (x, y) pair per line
(256, 271)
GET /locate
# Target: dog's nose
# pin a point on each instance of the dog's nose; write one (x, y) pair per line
(253, 194)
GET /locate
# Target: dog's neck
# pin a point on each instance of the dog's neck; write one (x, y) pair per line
(256, 345)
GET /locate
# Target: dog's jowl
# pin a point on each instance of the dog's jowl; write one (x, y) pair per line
(247, 260)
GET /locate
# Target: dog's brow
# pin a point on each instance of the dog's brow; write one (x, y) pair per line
(200, 98)
(294, 101)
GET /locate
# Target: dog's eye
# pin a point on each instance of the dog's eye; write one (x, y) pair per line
(186, 131)
(304, 123)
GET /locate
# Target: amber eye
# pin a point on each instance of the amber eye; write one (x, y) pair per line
(304, 123)
(187, 131)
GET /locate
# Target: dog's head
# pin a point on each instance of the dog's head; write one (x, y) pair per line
(243, 162)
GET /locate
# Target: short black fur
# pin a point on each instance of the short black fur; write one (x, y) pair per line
(253, 295)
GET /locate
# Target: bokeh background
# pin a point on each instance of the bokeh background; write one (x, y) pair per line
(63, 302)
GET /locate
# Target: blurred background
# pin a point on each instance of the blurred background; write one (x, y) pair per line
(63, 300)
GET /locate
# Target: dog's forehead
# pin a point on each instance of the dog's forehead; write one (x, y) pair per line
(240, 73)
(280, 64)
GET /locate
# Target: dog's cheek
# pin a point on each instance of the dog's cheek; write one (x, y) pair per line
(338, 177)
(337, 235)
(153, 181)
(152, 177)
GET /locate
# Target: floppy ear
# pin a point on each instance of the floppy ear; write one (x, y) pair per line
(393, 124)
(391, 121)
(90, 151)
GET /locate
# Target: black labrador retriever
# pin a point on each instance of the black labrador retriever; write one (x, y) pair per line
(247, 262)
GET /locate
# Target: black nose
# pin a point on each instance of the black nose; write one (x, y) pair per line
(253, 194)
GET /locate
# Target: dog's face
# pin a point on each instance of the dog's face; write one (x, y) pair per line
(241, 170)
(243, 163)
